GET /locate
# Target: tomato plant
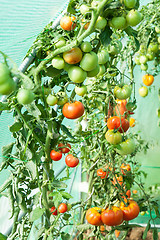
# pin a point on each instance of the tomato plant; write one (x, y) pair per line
(25, 96)
(71, 161)
(73, 110)
(56, 156)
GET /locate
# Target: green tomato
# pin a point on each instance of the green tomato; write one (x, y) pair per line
(118, 22)
(60, 43)
(122, 92)
(94, 72)
(113, 50)
(142, 48)
(86, 46)
(81, 91)
(130, 3)
(133, 17)
(137, 60)
(100, 23)
(62, 98)
(4, 73)
(103, 56)
(113, 137)
(158, 39)
(102, 70)
(8, 87)
(77, 74)
(52, 72)
(89, 61)
(143, 59)
(143, 91)
(153, 47)
(126, 147)
(84, 9)
(131, 106)
(150, 56)
(51, 100)
(144, 67)
(157, 29)
(58, 63)
(25, 96)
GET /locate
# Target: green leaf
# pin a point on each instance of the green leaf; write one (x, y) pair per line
(36, 214)
(31, 166)
(6, 151)
(58, 184)
(4, 106)
(15, 127)
(2, 237)
(33, 110)
(66, 216)
(66, 195)
(66, 131)
(146, 230)
(71, 6)
(57, 199)
(158, 112)
(131, 32)
(105, 36)
(50, 237)
(155, 234)
(65, 236)
(83, 227)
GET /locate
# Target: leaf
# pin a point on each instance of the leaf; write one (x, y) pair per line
(65, 236)
(50, 237)
(83, 227)
(57, 199)
(31, 166)
(158, 112)
(66, 131)
(5, 184)
(137, 44)
(105, 36)
(15, 127)
(131, 32)
(66, 216)
(36, 214)
(6, 150)
(4, 106)
(155, 234)
(33, 110)
(71, 6)
(58, 184)
(2, 237)
(146, 230)
(66, 195)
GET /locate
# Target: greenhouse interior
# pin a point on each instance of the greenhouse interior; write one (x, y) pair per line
(80, 120)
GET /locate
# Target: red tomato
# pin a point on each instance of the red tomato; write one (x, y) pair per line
(116, 122)
(62, 208)
(131, 211)
(71, 161)
(93, 216)
(63, 149)
(55, 156)
(73, 110)
(112, 217)
(101, 173)
(125, 168)
(54, 210)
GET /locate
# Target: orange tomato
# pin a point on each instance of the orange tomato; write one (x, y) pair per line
(117, 180)
(67, 23)
(125, 168)
(101, 173)
(117, 233)
(112, 217)
(134, 191)
(102, 228)
(73, 56)
(93, 216)
(131, 211)
(148, 79)
(120, 108)
(131, 122)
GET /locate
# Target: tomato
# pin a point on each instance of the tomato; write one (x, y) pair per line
(157, 29)
(137, 60)
(128, 193)
(112, 217)
(89, 61)
(93, 72)
(62, 208)
(81, 91)
(117, 180)
(134, 191)
(100, 23)
(84, 9)
(4, 73)
(77, 74)
(133, 17)
(86, 46)
(85, 24)
(51, 100)
(103, 56)
(143, 91)
(153, 47)
(101, 173)
(131, 106)
(52, 72)
(8, 87)
(58, 63)
(130, 3)
(62, 98)
(131, 211)
(126, 147)
(125, 168)
(25, 96)
(67, 23)
(69, 206)
(117, 233)
(55, 156)
(73, 110)
(116, 122)
(102, 70)
(113, 137)
(102, 228)
(123, 92)
(113, 49)
(54, 210)
(143, 59)
(118, 22)
(60, 43)
(131, 122)
(71, 161)
(63, 149)
(73, 56)
(144, 67)
(150, 56)
(148, 79)
(93, 216)
(120, 108)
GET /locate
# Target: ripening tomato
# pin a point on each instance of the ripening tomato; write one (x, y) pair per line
(62, 208)
(93, 216)
(117, 233)
(113, 137)
(112, 217)
(120, 108)
(101, 173)
(116, 122)
(54, 210)
(125, 168)
(148, 79)
(131, 211)
(73, 56)
(63, 147)
(126, 147)
(143, 91)
(123, 92)
(55, 156)
(117, 180)
(67, 23)
(71, 161)
(131, 122)
(73, 110)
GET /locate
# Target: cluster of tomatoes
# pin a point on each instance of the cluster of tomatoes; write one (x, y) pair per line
(70, 160)
(147, 79)
(62, 208)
